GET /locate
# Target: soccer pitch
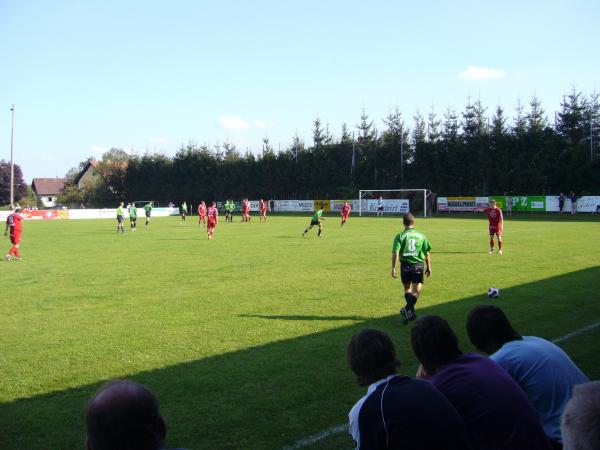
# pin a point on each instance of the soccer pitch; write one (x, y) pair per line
(243, 338)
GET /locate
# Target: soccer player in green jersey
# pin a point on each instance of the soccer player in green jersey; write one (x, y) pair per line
(412, 248)
(316, 220)
(229, 207)
(133, 217)
(183, 211)
(148, 211)
(120, 218)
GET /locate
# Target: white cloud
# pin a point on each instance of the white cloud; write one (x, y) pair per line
(481, 73)
(233, 123)
(262, 124)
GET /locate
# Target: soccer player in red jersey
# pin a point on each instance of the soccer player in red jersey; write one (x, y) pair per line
(495, 218)
(202, 213)
(245, 210)
(212, 219)
(345, 211)
(262, 207)
(13, 222)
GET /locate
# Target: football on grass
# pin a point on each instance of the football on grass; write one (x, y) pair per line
(493, 292)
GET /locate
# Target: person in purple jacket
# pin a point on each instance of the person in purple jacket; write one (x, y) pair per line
(495, 409)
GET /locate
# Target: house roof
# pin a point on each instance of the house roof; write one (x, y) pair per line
(48, 186)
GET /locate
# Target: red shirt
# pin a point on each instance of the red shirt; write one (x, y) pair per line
(246, 206)
(262, 206)
(14, 222)
(202, 210)
(494, 216)
(212, 213)
(346, 209)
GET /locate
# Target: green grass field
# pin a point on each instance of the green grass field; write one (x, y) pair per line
(243, 338)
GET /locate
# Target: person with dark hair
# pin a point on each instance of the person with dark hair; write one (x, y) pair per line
(581, 419)
(212, 215)
(124, 415)
(543, 370)
(496, 411)
(14, 225)
(398, 412)
(412, 248)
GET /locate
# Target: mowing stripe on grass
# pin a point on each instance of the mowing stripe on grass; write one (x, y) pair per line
(310, 440)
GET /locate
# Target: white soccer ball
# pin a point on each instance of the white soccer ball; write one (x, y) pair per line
(493, 292)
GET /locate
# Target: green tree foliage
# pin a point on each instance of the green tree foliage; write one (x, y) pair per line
(471, 153)
(20, 188)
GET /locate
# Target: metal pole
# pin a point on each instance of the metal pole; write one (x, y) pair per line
(402, 154)
(12, 166)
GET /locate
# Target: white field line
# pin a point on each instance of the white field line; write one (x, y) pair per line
(313, 439)
(576, 333)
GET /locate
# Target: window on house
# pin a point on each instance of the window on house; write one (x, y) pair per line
(49, 199)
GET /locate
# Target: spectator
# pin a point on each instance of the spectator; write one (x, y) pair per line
(398, 412)
(561, 202)
(124, 415)
(573, 198)
(581, 420)
(496, 411)
(543, 370)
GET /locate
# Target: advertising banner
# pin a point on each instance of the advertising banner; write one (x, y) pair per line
(587, 203)
(336, 205)
(318, 204)
(457, 204)
(528, 203)
(390, 206)
(40, 214)
(293, 205)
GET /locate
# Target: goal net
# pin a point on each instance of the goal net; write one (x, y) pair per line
(395, 201)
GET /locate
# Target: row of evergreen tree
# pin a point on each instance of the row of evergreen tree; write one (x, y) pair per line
(469, 153)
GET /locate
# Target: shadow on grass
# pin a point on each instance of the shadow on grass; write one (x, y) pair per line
(270, 396)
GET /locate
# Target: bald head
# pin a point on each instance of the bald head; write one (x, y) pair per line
(124, 415)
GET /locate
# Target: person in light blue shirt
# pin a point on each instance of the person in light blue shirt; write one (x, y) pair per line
(542, 369)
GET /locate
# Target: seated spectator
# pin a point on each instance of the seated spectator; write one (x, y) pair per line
(543, 370)
(124, 415)
(496, 411)
(581, 419)
(398, 412)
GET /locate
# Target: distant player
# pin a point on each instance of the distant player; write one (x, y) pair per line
(15, 226)
(202, 213)
(262, 208)
(212, 215)
(495, 218)
(229, 207)
(133, 217)
(316, 221)
(120, 218)
(245, 210)
(573, 199)
(183, 211)
(412, 248)
(148, 212)
(345, 212)
(380, 207)
(509, 204)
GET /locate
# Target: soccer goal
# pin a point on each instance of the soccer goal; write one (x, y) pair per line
(395, 201)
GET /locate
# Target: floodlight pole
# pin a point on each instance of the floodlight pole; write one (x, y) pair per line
(12, 166)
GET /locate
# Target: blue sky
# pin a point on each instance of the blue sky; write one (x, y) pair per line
(152, 75)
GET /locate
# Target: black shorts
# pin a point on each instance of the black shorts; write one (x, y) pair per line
(132, 219)
(411, 273)
(314, 223)
(380, 208)
(119, 219)
(148, 214)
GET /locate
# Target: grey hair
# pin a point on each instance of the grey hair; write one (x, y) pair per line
(580, 424)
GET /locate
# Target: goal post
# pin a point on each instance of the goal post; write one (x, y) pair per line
(395, 201)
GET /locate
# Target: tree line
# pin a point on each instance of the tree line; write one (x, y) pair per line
(474, 152)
